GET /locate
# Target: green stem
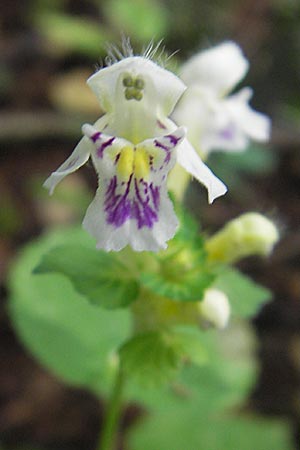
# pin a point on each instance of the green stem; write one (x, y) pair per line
(111, 420)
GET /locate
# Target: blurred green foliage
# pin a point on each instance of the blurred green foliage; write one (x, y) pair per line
(246, 297)
(83, 344)
(99, 276)
(144, 20)
(66, 34)
(66, 333)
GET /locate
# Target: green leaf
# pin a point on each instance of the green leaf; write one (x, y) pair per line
(201, 410)
(199, 396)
(67, 33)
(140, 19)
(184, 285)
(71, 337)
(223, 375)
(193, 430)
(154, 357)
(189, 343)
(97, 275)
(245, 296)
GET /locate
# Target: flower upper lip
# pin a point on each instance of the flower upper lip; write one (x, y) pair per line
(104, 82)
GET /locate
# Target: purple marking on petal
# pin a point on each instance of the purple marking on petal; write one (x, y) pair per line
(155, 195)
(173, 139)
(117, 206)
(173, 142)
(145, 214)
(166, 149)
(138, 194)
(160, 145)
(227, 133)
(139, 202)
(161, 125)
(103, 146)
(96, 136)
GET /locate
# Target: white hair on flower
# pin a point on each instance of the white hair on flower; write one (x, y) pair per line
(153, 51)
(133, 147)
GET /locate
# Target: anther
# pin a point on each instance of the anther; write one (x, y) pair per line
(128, 81)
(139, 83)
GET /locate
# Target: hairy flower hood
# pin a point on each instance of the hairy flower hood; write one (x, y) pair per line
(162, 89)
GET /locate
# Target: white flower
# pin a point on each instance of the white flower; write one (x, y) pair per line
(216, 121)
(214, 309)
(133, 147)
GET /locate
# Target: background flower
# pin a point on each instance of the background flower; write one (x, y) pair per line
(216, 120)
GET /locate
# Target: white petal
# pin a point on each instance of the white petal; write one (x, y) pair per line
(112, 238)
(162, 88)
(255, 124)
(229, 138)
(222, 131)
(79, 157)
(219, 68)
(220, 124)
(191, 162)
(196, 110)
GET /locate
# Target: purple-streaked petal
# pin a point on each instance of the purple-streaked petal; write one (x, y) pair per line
(145, 221)
(101, 141)
(161, 149)
(131, 206)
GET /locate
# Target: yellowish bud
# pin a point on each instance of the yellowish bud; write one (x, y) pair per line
(248, 234)
(214, 309)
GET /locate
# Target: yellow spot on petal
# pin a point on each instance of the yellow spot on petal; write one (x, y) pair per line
(141, 164)
(125, 163)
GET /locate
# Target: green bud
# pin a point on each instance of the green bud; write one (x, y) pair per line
(249, 234)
